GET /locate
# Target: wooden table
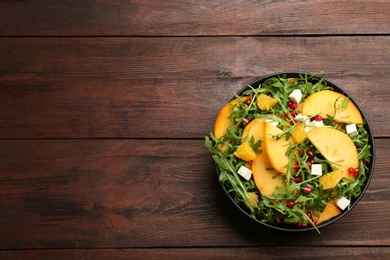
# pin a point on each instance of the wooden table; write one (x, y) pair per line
(105, 106)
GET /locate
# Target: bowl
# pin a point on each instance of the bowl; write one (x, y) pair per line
(369, 166)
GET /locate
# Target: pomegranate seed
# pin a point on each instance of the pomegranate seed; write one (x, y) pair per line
(250, 161)
(296, 167)
(318, 118)
(365, 162)
(298, 179)
(310, 153)
(314, 222)
(309, 164)
(293, 113)
(245, 120)
(289, 104)
(299, 224)
(293, 122)
(286, 116)
(350, 171)
(307, 190)
(356, 172)
(294, 106)
(309, 215)
(247, 102)
(290, 204)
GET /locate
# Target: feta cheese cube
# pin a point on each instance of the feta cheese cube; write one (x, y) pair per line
(296, 96)
(272, 122)
(316, 169)
(303, 118)
(245, 172)
(342, 203)
(351, 130)
(314, 124)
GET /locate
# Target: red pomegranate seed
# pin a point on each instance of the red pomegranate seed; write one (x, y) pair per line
(318, 118)
(365, 162)
(356, 172)
(247, 102)
(307, 190)
(298, 179)
(293, 106)
(309, 215)
(314, 222)
(290, 204)
(296, 167)
(293, 122)
(309, 164)
(286, 116)
(350, 171)
(310, 153)
(289, 104)
(245, 120)
(299, 224)
(293, 113)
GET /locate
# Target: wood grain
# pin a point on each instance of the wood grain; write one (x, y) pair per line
(104, 107)
(144, 87)
(278, 252)
(129, 193)
(174, 18)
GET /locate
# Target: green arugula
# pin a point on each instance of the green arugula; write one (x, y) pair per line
(273, 209)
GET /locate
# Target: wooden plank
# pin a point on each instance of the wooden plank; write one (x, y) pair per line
(167, 18)
(149, 193)
(144, 87)
(278, 252)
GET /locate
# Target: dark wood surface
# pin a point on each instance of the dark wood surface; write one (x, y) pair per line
(105, 105)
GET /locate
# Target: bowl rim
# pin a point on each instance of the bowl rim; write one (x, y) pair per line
(371, 166)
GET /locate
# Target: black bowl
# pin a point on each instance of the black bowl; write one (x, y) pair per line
(370, 166)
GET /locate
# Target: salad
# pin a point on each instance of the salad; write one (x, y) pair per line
(291, 150)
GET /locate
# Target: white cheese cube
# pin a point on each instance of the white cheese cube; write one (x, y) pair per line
(343, 203)
(313, 124)
(351, 130)
(316, 169)
(245, 172)
(303, 118)
(296, 96)
(272, 122)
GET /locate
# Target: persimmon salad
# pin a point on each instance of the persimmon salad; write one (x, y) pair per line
(291, 151)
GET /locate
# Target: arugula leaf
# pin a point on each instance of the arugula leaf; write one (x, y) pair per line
(344, 104)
